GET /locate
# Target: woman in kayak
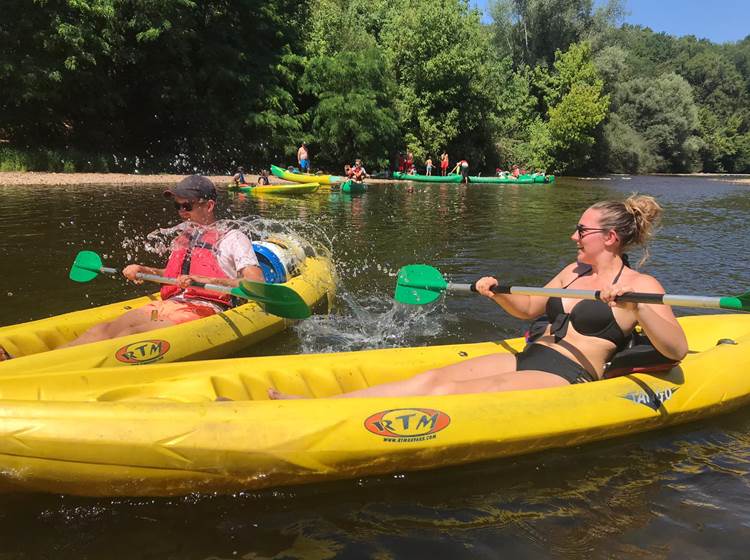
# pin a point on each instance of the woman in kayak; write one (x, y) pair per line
(583, 334)
(263, 178)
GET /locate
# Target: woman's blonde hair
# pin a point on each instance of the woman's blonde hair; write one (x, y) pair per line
(634, 220)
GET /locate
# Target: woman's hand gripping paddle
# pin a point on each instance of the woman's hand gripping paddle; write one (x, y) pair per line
(419, 284)
(276, 299)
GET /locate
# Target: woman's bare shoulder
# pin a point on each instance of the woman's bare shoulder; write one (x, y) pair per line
(570, 272)
(644, 282)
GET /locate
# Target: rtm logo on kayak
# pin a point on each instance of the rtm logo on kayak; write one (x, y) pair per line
(407, 424)
(652, 399)
(142, 352)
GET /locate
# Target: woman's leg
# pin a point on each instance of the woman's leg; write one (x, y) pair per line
(508, 381)
(458, 378)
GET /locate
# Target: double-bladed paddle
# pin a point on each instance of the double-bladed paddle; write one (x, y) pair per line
(277, 299)
(419, 284)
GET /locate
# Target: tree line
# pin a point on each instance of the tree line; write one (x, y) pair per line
(187, 85)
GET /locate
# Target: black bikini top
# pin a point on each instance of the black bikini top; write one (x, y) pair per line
(589, 317)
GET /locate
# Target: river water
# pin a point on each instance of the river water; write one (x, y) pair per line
(682, 492)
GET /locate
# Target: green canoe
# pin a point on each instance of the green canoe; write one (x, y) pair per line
(427, 178)
(353, 187)
(523, 179)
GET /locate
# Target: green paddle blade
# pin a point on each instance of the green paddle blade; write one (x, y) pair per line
(419, 284)
(86, 266)
(738, 303)
(277, 299)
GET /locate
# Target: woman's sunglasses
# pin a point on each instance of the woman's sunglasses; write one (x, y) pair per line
(582, 230)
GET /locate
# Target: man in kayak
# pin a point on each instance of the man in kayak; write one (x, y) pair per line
(263, 178)
(358, 173)
(201, 253)
(303, 159)
(583, 334)
(239, 177)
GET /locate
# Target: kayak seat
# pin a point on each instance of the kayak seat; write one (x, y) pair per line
(26, 343)
(314, 382)
(640, 356)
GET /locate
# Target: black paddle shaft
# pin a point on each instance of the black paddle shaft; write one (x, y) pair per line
(629, 297)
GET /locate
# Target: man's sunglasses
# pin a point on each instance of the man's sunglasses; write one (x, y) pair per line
(582, 230)
(186, 206)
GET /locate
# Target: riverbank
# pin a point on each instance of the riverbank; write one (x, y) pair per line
(41, 179)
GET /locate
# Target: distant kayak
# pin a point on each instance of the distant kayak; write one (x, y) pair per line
(276, 189)
(521, 179)
(353, 187)
(427, 178)
(305, 177)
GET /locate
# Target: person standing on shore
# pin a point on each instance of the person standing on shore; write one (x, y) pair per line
(463, 168)
(409, 163)
(303, 159)
(428, 167)
(444, 164)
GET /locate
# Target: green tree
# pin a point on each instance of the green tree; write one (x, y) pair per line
(664, 114)
(448, 81)
(575, 106)
(354, 116)
(173, 81)
(531, 31)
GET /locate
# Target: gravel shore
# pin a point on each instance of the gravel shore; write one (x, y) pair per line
(39, 179)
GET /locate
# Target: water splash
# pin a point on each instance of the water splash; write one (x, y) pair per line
(301, 234)
(375, 321)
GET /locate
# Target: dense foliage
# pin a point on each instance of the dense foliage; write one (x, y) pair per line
(179, 85)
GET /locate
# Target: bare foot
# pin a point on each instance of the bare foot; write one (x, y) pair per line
(4, 354)
(275, 395)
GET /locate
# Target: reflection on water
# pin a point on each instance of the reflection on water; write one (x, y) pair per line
(681, 492)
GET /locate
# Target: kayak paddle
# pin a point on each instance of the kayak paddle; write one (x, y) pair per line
(277, 299)
(419, 284)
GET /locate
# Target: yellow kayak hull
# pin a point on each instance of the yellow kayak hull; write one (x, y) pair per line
(305, 177)
(34, 345)
(208, 427)
(296, 188)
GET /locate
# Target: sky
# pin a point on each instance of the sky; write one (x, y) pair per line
(720, 21)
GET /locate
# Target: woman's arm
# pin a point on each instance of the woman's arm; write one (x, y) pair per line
(522, 306)
(658, 321)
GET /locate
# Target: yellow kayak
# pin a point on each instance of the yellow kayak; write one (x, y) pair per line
(297, 188)
(305, 177)
(33, 344)
(208, 427)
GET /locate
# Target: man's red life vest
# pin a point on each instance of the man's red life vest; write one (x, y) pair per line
(195, 255)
